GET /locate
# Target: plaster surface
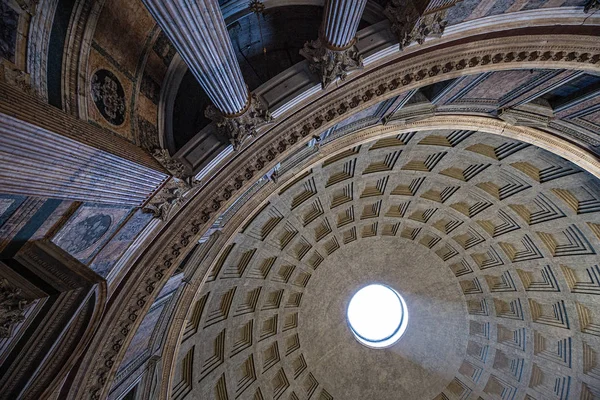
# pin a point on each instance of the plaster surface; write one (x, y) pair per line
(425, 358)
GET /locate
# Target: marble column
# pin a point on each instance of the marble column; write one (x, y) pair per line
(197, 30)
(334, 53)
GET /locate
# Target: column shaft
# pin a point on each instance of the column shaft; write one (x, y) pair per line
(340, 22)
(37, 162)
(46, 152)
(198, 32)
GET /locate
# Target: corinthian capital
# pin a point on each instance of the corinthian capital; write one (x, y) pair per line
(171, 196)
(402, 16)
(240, 126)
(330, 63)
(174, 166)
(410, 26)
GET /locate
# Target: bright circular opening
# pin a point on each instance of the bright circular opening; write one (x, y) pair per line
(377, 316)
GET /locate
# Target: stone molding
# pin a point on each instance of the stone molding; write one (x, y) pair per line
(82, 26)
(285, 137)
(69, 300)
(37, 45)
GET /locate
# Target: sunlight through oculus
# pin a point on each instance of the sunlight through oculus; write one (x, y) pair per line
(377, 316)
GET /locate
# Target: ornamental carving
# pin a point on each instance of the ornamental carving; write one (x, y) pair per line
(331, 64)
(109, 96)
(12, 307)
(402, 16)
(15, 77)
(410, 27)
(430, 25)
(239, 127)
(167, 199)
(174, 166)
(172, 193)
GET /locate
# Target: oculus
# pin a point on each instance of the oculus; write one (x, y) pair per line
(377, 316)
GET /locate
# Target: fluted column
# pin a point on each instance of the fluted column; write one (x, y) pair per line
(198, 32)
(334, 53)
(340, 22)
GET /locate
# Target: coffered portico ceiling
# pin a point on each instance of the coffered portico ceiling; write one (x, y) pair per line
(151, 251)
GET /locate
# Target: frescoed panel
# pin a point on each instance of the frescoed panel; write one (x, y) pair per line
(498, 84)
(113, 250)
(89, 229)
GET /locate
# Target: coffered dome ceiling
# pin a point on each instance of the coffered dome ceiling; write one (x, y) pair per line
(492, 242)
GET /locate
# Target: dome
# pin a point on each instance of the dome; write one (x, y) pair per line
(479, 243)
